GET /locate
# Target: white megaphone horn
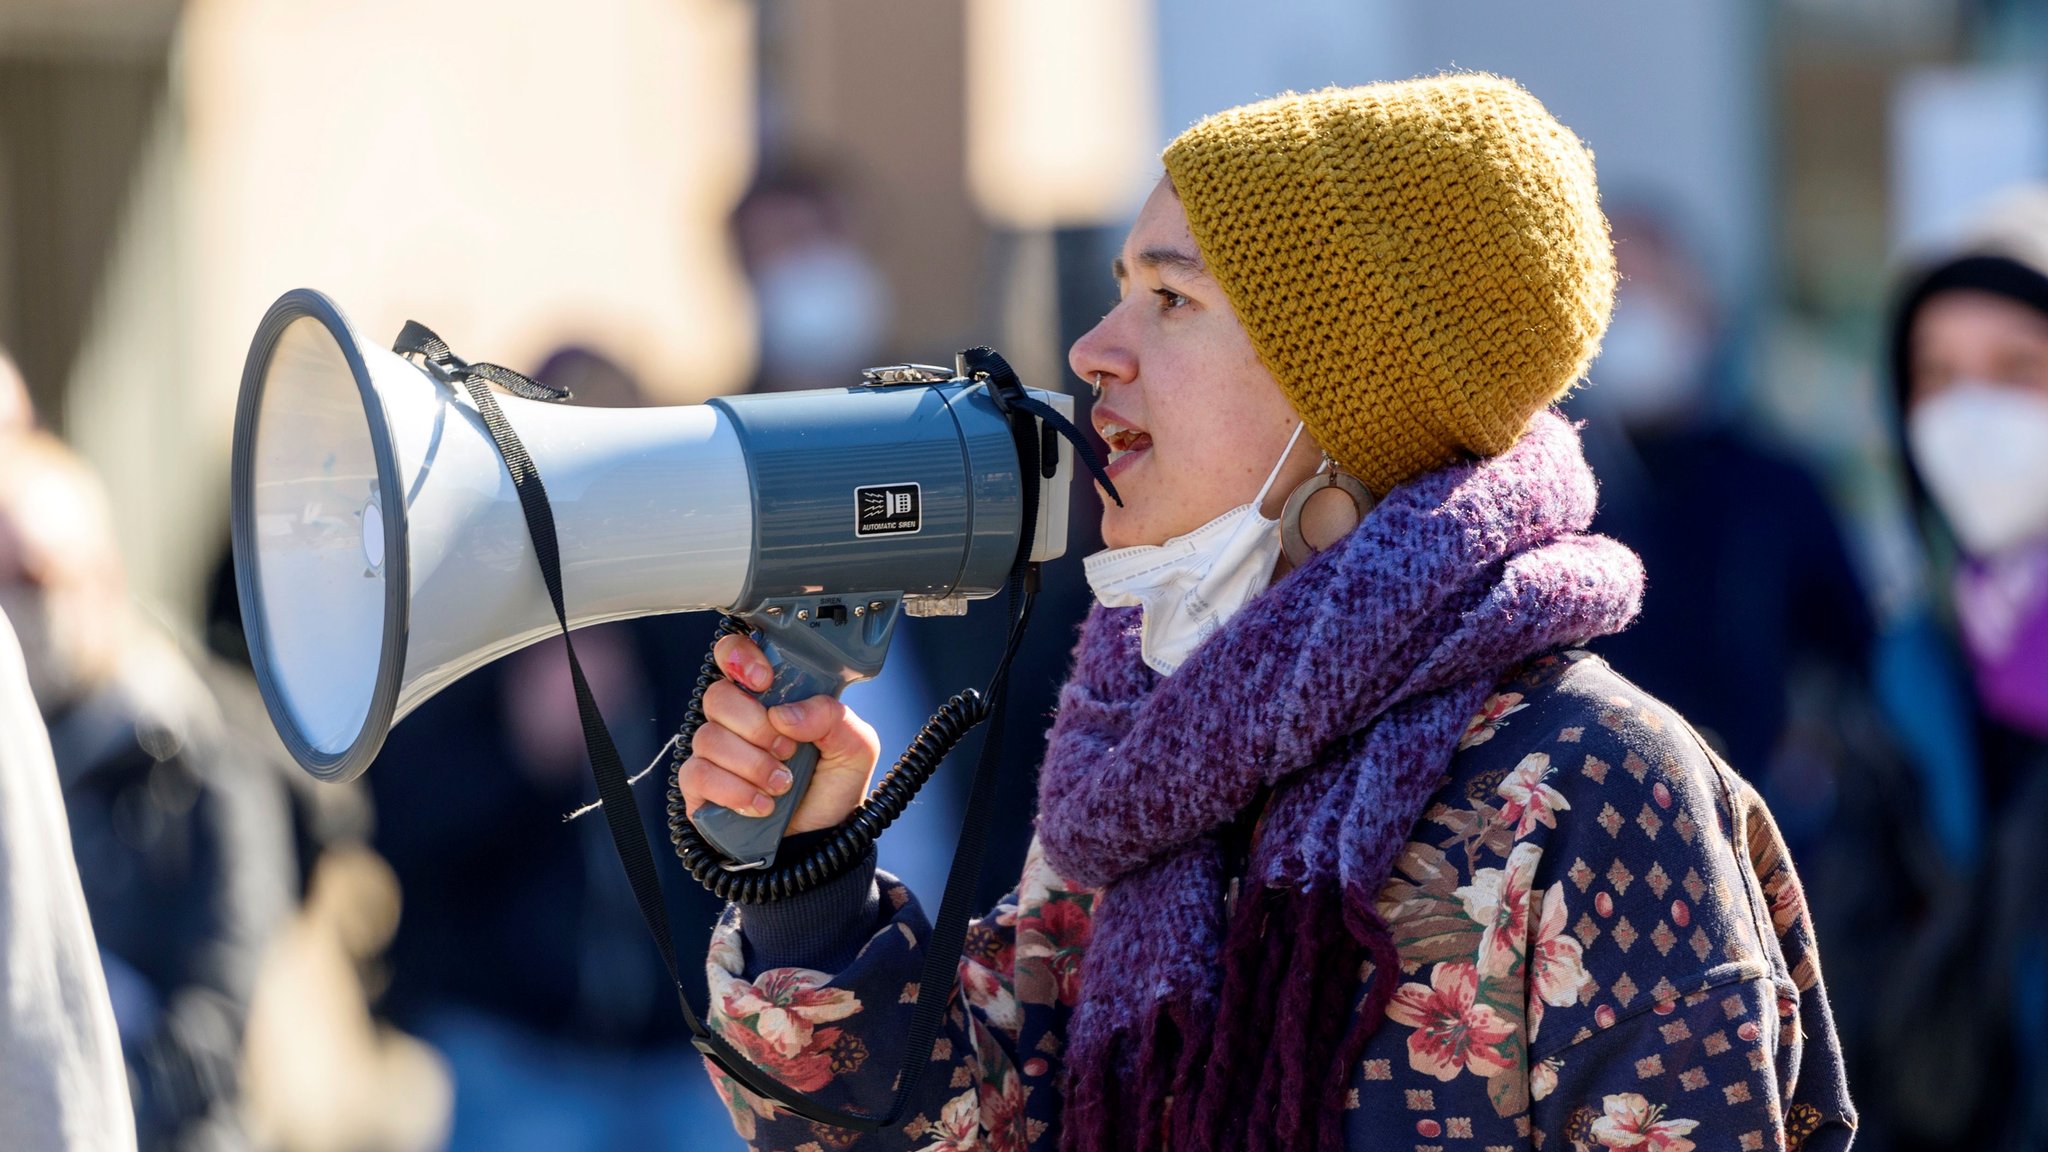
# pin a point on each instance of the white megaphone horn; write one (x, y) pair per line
(381, 552)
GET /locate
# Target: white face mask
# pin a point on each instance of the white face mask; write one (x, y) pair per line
(1983, 450)
(824, 312)
(1190, 585)
(1653, 363)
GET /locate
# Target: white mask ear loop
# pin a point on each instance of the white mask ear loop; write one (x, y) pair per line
(1259, 501)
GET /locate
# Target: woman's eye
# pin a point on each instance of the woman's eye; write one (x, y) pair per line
(1169, 299)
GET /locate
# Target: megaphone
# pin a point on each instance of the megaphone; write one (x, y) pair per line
(381, 552)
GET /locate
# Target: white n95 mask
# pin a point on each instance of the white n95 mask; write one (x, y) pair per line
(1192, 584)
(1983, 451)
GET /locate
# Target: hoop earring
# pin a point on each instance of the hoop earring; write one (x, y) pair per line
(1296, 546)
(1095, 387)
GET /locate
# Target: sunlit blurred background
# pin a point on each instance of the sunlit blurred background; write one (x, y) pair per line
(658, 201)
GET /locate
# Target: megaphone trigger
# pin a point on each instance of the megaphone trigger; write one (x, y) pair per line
(817, 645)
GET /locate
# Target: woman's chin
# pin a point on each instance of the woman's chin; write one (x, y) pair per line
(1118, 529)
(1127, 527)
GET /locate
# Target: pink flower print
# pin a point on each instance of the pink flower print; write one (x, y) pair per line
(1557, 967)
(1001, 1102)
(1453, 1032)
(1066, 926)
(774, 1022)
(1498, 901)
(1492, 715)
(986, 989)
(1788, 899)
(1543, 1077)
(1633, 1122)
(1528, 801)
(959, 1126)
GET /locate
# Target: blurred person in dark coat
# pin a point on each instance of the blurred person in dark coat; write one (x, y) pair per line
(1753, 579)
(1968, 359)
(180, 828)
(1756, 627)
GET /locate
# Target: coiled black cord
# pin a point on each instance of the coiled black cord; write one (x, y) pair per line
(849, 842)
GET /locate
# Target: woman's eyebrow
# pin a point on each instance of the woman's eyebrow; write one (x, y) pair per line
(1189, 263)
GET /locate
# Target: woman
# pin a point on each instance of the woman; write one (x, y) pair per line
(1969, 360)
(1374, 855)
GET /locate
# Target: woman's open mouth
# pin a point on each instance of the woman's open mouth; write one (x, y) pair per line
(1125, 446)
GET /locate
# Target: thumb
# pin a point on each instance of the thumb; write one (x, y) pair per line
(840, 735)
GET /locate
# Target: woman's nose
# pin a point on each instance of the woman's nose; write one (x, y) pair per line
(1103, 351)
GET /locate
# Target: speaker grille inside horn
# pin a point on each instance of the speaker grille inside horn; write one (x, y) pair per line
(316, 545)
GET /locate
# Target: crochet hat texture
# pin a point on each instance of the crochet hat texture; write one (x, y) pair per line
(1422, 265)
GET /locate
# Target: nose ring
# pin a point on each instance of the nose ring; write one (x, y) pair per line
(1095, 387)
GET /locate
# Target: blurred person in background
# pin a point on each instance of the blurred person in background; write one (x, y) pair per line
(1968, 359)
(821, 304)
(1752, 579)
(823, 309)
(180, 827)
(1755, 624)
(63, 1085)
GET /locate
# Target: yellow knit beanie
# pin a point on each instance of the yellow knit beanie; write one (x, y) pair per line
(1422, 265)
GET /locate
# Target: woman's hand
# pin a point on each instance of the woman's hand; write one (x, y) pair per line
(736, 760)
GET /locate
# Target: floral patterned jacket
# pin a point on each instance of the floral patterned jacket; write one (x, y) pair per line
(1603, 946)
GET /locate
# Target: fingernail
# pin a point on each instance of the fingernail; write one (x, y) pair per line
(788, 714)
(760, 676)
(784, 748)
(779, 780)
(762, 805)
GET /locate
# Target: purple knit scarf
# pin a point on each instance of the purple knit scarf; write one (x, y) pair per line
(1345, 687)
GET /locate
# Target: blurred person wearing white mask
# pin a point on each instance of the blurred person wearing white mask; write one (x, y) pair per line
(1755, 623)
(822, 304)
(1753, 579)
(1972, 368)
(1968, 359)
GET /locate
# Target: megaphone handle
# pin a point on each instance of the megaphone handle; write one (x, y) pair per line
(751, 841)
(816, 648)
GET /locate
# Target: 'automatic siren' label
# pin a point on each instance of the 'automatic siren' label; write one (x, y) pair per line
(885, 510)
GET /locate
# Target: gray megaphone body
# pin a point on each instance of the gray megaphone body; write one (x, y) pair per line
(381, 551)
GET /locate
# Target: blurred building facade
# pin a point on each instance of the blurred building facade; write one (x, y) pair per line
(521, 176)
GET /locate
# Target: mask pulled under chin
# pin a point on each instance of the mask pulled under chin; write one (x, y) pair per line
(1190, 586)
